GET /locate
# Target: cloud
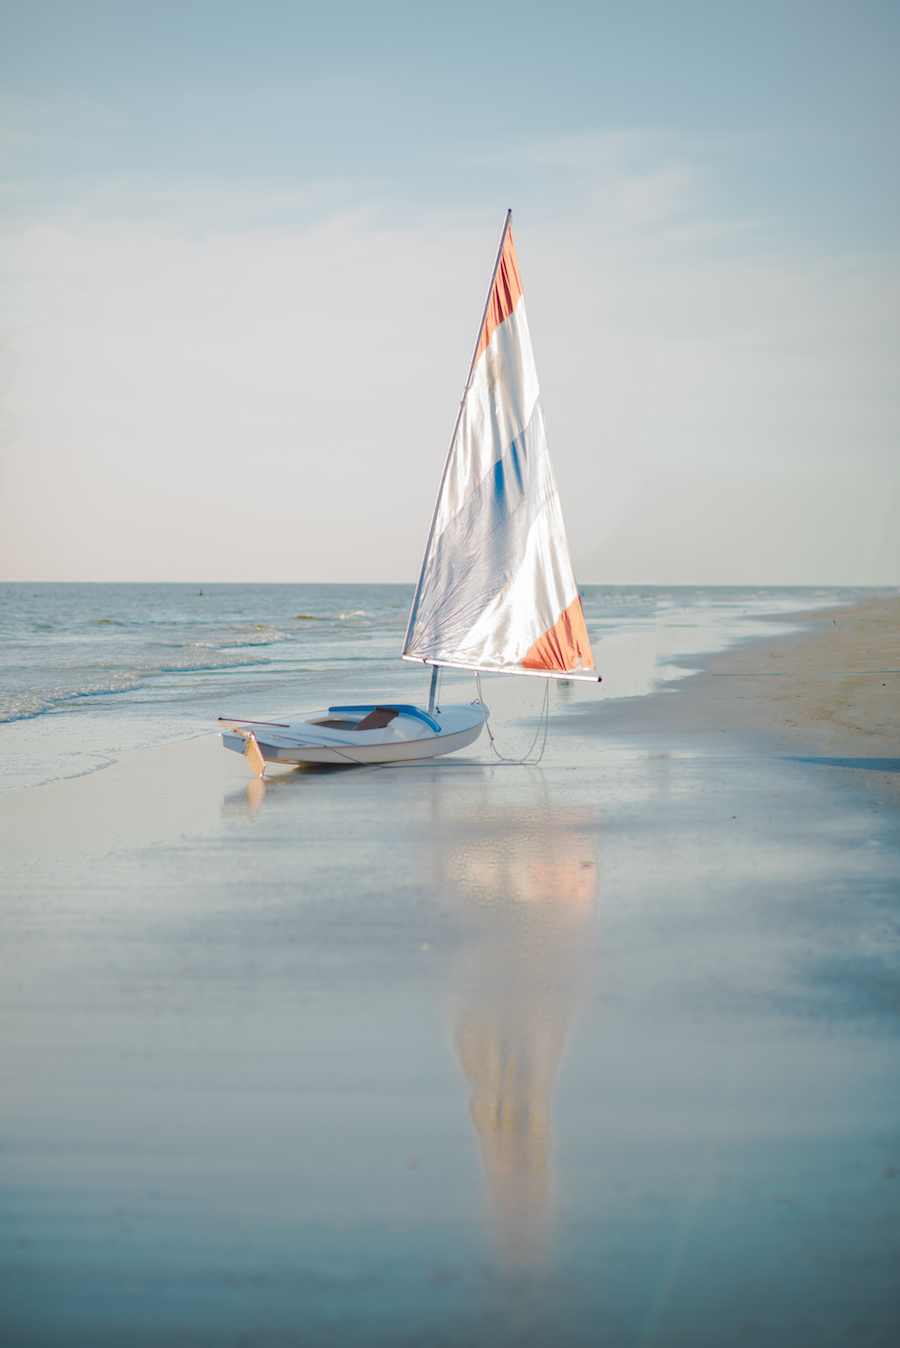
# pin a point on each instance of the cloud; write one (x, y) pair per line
(256, 379)
(273, 403)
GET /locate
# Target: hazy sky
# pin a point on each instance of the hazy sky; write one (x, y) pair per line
(246, 245)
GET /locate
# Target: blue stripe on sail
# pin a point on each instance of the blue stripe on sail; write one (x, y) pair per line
(479, 552)
(500, 468)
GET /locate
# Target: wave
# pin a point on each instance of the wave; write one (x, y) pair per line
(197, 657)
(23, 707)
(22, 704)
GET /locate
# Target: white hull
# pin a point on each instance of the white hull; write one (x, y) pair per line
(410, 734)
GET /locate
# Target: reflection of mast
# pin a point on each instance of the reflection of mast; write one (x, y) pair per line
(529, 880)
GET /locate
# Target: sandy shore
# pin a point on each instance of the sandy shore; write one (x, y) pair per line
(148, 797)
(831, 693)
(466, 1053)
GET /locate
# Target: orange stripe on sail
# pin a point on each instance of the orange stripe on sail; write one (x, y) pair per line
(505, 295)
(565, 645)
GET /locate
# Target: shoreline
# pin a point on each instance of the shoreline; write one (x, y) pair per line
(831, 692)
(827, 693)
(849, 662)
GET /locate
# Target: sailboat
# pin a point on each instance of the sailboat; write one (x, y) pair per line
(496, 590)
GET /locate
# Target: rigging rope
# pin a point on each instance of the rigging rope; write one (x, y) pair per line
(543, 720)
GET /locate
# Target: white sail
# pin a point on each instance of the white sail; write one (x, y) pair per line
(496, 590)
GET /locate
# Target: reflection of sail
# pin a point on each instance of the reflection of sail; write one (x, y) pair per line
(528, 880)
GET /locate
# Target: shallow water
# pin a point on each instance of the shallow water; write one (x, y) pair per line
(90, 671)
(587, 1053)
(603, 1051)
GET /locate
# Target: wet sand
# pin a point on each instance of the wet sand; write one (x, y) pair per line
(603, 1051)
(835, 688)
(830, 695)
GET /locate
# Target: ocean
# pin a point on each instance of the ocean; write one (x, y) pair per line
(90, 671)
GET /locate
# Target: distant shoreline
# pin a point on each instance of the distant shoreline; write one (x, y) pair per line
(613, 587)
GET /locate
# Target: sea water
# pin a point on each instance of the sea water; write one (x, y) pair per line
(89, 671)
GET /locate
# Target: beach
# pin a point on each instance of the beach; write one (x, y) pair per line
(840, 695)
(602, 1050)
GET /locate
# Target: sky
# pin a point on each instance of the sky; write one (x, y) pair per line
(244, 250)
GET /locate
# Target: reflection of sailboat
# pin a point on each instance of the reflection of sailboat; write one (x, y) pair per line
(528, 881)
(496, 590)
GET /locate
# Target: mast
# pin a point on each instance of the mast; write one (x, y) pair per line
(432, 691)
